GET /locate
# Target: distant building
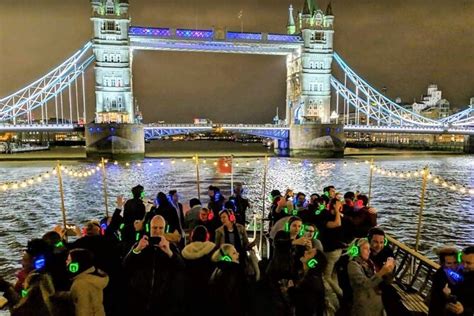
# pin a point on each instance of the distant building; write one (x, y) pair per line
(471, 101)
(432, 105)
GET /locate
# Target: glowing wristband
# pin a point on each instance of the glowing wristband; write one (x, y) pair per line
(136, 252)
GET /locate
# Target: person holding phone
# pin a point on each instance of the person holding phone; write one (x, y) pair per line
(365, 280)
(154, 269)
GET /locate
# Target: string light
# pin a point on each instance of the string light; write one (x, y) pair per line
(115, 162)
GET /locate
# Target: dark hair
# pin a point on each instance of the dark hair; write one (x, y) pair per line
(37, 247)
(83, 257)
(214, 188)
(230, 205)
(326, 189)
(137, 191)
(469, 250)
(364, 199)
(172, 192)
(349, 196)
(375, 231)
(162, 199)
(294, 219)
(193, 202)
(315, 194)
(275, 193)
(300, 194)
(51, 238)
(446, 252)
(199, 233)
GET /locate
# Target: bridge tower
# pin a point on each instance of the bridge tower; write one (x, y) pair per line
(309, 84)
(114, 131)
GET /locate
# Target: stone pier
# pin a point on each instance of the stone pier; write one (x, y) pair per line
(319, 140)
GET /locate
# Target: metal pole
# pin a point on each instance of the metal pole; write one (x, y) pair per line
(104, 185)
(61, 192)
(84, 99)
(197, 176)
(426, 172)
(263, 202)
(370, 179)
(231, 174)
(70, 102)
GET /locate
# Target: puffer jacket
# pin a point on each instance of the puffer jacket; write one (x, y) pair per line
(87, 292)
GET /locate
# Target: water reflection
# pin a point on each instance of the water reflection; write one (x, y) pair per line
(448, 216)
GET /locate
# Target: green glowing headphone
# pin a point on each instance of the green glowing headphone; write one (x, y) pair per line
(320, 209)
(354, 249)
(24, 292)
(73, 267)
(224, 257)
(287, 227)
(312, 263)
(459, 256)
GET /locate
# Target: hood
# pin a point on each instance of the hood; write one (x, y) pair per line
(97, 279)
(197, 249)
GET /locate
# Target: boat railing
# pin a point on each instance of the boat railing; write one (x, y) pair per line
(413, 275)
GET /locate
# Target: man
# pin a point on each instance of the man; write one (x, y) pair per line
(363, 218)
(134, 209)
(192, 216)
(178, 217)
(463, 292)
(241, 203)
(215, 205)
(153, 271)
(329, 192)
(379, 253)
(438, 300)
(300, 202)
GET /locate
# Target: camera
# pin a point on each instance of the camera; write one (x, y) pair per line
(154, 240)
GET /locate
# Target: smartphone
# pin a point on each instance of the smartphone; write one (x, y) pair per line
(154, 240)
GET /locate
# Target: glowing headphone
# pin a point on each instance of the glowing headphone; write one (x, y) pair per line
(39, 262)
(59, 244)
(312, 263)
(217, 195)
(210, 215)
(385, 239)
(73, 267)
(231, 216)
(354, 249)
(142, 195)
(224, 257)
(459, 256)
(287, 227)
(24, 293)
(321, 208)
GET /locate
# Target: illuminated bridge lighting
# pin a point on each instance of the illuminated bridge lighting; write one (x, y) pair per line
(284, 38)
(149, 31)
(183, 33)
(244, 36)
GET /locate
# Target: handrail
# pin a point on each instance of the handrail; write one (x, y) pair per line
(412, 252)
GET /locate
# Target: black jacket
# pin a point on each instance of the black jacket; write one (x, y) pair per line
(228, 288)
(154, 282)
(308, 294)
(134, 209)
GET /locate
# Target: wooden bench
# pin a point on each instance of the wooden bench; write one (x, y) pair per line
(412, 277)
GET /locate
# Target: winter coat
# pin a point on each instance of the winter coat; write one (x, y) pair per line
(154, 281)
(199, 268)
(364, 282)
(87, 292)
(192, 217)
(464, 292)
(220, 236)
(228, 290)
(133, 210)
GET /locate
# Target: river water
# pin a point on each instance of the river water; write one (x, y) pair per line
(448, 218)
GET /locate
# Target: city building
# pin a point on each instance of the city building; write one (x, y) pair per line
(432, 105)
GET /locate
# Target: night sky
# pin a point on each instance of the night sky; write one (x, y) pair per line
(403, 45)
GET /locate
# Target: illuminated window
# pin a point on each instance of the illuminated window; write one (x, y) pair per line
(110, 25)
(110, 10)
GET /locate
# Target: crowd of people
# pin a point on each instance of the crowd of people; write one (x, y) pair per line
(152, 257)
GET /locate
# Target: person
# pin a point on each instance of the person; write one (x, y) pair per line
(280, 207)
(153, 271)
(241, 203)
(88, 283)
(463, 292)
(380, 251)
(364, 280)
(57, 261)
(363, 218)
(36, 298)
(330, 226)
(170, 215)
(308, 293)
(178, 216)
(300, 203)
(311, 232)
(216, 202)
(227, 283)
(329, 193)
(192, 216)
(199, 267)
(448, 262)
(134, 209)
(235, 234)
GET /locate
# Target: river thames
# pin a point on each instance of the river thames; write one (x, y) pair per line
(448, 217)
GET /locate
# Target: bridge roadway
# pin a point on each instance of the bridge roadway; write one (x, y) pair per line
(156, 131)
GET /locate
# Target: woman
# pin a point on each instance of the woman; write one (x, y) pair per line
(87, 285)
(34, 298)
(235, 234)
(227, 283)
(307, 294)
(367, 299)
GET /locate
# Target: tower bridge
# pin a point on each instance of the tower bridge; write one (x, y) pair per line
(314, 121)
